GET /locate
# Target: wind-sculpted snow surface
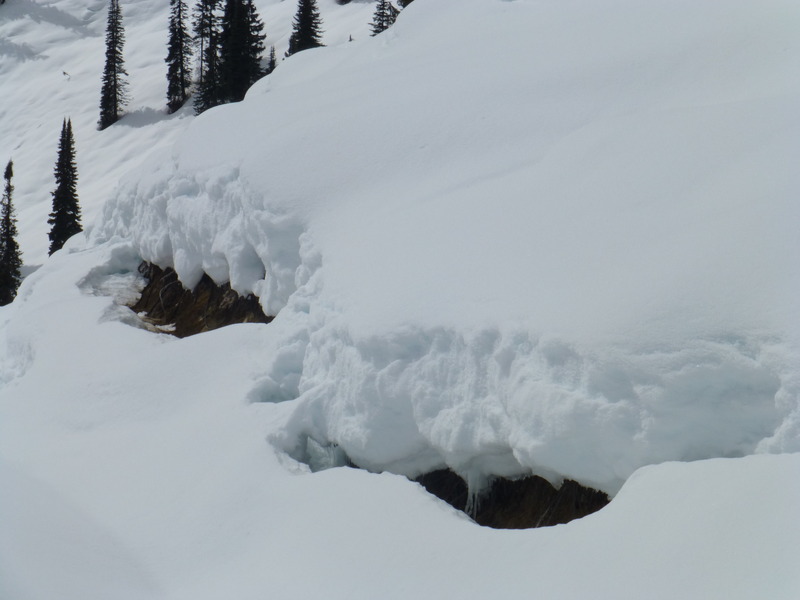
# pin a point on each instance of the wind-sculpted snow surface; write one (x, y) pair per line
(492, 403)
(570, 251)
(556, 236)
(212, 223)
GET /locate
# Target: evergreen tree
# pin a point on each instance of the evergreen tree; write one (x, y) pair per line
(179, 53)
(206, 35)
(241, 46)
(113, 96)
(384, 16)
(255, 41)
(65, 220)
(306, 28)
(271, 62)
(10, 256)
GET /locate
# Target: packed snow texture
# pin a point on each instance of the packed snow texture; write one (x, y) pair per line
(131, 468)
(570, 251)
(557, 237)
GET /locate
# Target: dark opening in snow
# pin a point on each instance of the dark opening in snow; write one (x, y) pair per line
(516, 503)
(166, 304)
(521, 503)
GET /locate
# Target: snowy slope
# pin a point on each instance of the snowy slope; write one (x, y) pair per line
(568, 249)
(131, 468)
(583, 233)
(51, 61)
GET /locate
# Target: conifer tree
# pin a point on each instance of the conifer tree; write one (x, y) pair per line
(271, 62)
(10, 256)
(241, 47)
(306, 28)
(65, 220)
(384, 16)
(179, 53)
(206, 35)
(255, 40)
(113, 96)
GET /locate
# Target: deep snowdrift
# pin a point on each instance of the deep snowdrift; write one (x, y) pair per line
(131, 468)
(567, 251)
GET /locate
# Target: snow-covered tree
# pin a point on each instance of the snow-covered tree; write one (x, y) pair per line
(179, 54)
(65, 220)
(10, 256)
(113, 96)
(306, 28)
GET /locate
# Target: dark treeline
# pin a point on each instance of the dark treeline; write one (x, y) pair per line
(225, 39)
(306, 28)
(230, 42)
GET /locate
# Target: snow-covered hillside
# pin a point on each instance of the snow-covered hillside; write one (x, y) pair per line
(552, 237)
(51, 60)
(480, 259)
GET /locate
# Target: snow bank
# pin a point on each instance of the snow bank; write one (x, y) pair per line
(566, 251)
(130, 466)
(567, 248)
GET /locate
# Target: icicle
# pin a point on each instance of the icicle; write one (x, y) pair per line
(476, 482)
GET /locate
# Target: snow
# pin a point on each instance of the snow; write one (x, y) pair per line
(621, 266)
(559, 238)
(52, 57)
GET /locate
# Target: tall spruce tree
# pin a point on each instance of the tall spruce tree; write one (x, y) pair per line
(272, 62)
(255, 41)
(113, 95)
(306, 28)
(65, 220)
(10, 256)
(179, 54)
(207, 37)
(240, 49)
(384, 16)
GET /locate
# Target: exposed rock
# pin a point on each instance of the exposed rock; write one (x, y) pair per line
(170, 307)
(517, 504)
